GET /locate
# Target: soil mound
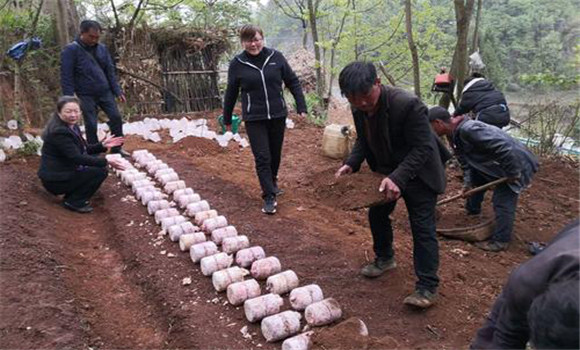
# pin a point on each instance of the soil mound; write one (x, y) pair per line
(197, 146)
(349, 192)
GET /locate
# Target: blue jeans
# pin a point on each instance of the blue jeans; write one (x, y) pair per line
(504, 202)
(420, 201)
(107, 104)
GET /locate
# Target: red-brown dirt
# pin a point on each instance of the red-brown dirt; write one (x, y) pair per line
(100, 280)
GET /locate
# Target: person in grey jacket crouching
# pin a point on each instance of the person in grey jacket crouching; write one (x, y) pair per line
(487, 153)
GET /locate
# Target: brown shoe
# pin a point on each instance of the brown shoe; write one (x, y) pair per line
(492, 246)
(421, 298)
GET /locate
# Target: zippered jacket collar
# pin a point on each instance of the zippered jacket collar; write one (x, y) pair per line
(243, 56)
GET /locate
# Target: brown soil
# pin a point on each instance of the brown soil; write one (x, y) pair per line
(101, 280)
(356, 191)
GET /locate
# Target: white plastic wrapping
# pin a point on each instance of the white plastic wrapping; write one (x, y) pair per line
(152, 196)
(154, 206)
(172, 186)
(177, 230)
(193, 208)
(282, 283)
(208, 225)
(189, 239)
(172, 220)
(201, 250)
(165, 213)
(247, 256)
(219, 234)
(216, 262)
(301, 297)
(264, 268)
(223, 278)
(183, 191)
(233, 244)
(257, 308)
(186, 199)
(322, 312)
(302, 341)
(241, 291)
(201, 216)
(281, 326)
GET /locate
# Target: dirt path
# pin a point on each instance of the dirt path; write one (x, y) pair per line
(101, 280)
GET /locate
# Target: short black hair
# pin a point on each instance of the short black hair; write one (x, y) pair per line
(553, 317)
(439, 113)
(357, 78)
(88, 24)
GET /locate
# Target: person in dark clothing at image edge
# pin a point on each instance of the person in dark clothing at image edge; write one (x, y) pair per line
(87, 70)
(539, 303)
(259, 72)
(394, 137)
(487, 153)
(488, 104)
(67, 165)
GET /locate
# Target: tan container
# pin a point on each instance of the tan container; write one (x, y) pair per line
(337, 141)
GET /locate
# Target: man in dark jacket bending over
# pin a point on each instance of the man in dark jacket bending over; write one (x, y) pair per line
(394, 137)
(488, 153)
(87, 70)
(539, 302)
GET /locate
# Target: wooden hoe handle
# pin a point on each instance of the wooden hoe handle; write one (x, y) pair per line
(473, 191)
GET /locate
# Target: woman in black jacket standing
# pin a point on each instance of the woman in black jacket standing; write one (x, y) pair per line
(67, 166)
(259, 73)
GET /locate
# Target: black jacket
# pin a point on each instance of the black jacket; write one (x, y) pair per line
(262, 93)
(63, 152)
(507, 326)
(485, 101)
(494, 153)
(414, 147)
(87, 70)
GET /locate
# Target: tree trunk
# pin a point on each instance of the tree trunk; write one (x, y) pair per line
(463, 11)
(413, 49)
(475, 41)
(65, 17)
(304, 35)
(312, 15)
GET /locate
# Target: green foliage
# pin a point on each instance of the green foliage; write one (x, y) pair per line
(560, 81)
(29, 148)
(316, 111)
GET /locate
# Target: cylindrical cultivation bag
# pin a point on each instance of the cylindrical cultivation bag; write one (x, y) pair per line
(301, 297)
(183, 191)
(154, 206)
(185, 199)
(301, 341)
(211, 224)
(201, 216)
(152, 163)
(322, 312)
(257, 308)
(246, 257)
(280, 326)
(201, 250)
(219, 234)
(152, 196)
(223, 278)
(193, 208)
(264, 268)
(173, 186)
(139, 192)
(241, 291)
(177, 230)
(174, 220)
(165, 179)
(162, 172)
(189, 239)
(216, 262)
(140, 183)
(282, 283)
(126, 172)
(233, 244)
(165, 213)
(154, 168)
(131, 178)
(139, 152)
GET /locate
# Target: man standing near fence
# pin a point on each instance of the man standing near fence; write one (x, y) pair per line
(87, 70)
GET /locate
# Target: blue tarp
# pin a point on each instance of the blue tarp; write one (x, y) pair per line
(18, 51)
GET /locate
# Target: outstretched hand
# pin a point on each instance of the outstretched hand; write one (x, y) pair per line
(343, 170)
(390, 189)
(112, 141)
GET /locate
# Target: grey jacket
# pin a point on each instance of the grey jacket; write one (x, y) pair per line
(492, 152)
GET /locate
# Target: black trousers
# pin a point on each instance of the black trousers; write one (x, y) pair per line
(81, 187)
(266, 139)
(107, 103)
(420, 201)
